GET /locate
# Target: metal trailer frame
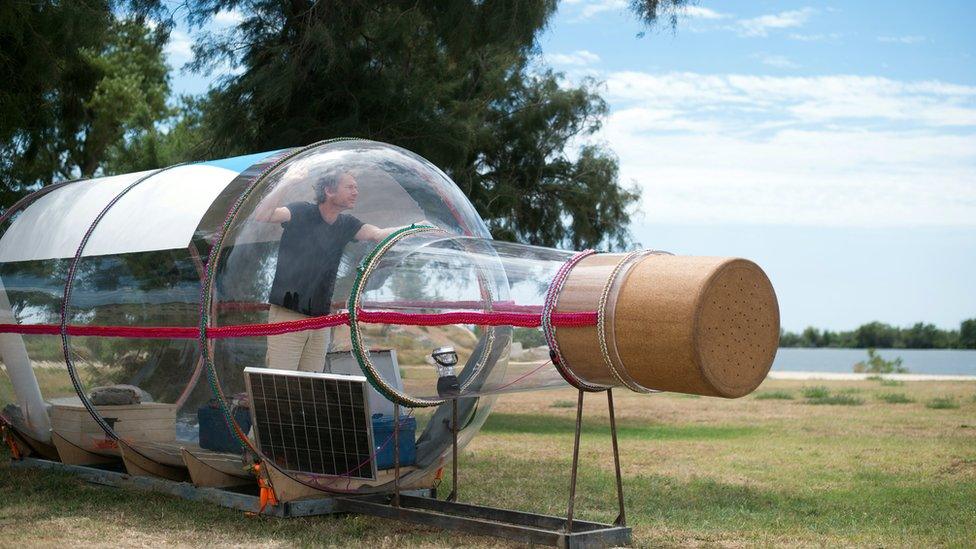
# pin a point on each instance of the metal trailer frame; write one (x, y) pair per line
(418, 506)
(503, 523)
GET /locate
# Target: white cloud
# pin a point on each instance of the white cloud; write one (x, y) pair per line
(913, 39)
(760, 26)
(591, 9)
(228, 17)
(579, 58)
(836, 150)
(830, 37)
(697, 12)
(179, 49)
(778, 61)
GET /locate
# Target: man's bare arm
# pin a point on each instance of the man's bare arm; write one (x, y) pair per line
(375, 234)
(269, 210)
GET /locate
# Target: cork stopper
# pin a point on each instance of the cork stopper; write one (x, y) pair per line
(697, 325)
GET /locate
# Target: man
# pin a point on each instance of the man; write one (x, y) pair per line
(308, 260)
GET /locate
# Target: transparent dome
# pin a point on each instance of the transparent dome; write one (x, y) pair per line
(272, 267)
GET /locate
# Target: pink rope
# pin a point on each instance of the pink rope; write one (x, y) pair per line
(507, 306)
(548, 320)
(479, 318)
(523, 376)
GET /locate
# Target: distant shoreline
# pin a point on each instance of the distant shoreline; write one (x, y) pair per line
(878, 348)
(843, 376)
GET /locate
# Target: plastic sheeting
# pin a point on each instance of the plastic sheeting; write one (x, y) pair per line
(160, 213)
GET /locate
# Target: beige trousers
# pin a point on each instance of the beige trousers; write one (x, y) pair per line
(303, 351)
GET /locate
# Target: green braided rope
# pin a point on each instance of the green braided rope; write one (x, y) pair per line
(358, 350)
(361, 352)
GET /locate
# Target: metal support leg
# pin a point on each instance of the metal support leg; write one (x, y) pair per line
(621, 517)
(396, 455)
(453, 496)
(576, 444)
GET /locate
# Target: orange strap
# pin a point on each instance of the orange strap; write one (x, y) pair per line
(267, 491)
(9, 439)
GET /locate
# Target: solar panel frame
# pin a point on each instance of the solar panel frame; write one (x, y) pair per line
(339, 401)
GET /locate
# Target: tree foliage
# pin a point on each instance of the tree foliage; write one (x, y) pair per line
(459, 83)
(74, 80)
(185, 138)
(876, 364)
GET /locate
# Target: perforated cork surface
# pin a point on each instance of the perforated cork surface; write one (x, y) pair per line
(738, 328)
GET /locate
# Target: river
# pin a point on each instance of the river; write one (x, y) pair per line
(918, 361)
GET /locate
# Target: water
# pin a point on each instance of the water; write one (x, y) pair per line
(918, 361)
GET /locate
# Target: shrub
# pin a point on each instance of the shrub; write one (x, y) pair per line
(895, 398)
(942, 403)
(563, 404)
(875, 364)
(816, 392)
(891, 383)
(838, 400)
(774, 395)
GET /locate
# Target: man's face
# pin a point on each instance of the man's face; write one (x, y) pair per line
(345, 193)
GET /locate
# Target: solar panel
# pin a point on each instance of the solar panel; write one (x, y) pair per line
(311, 422)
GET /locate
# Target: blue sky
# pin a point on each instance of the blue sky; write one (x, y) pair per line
(833, 144)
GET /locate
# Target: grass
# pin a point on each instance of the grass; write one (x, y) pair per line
(563, 404)
(816, 392)
(503, 423)
(837, 400)
(774, 395)
(821, 395)
(696, 472)
(885, 382)
(895, 398)
(891, 383)
(942, 403)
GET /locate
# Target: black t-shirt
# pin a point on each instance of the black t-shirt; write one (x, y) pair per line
(308, 259)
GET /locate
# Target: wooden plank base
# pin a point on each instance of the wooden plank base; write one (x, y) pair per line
(72, 454)
(215, 471)
(138, 464)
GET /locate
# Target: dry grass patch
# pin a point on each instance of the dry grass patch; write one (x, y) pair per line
(697, 472)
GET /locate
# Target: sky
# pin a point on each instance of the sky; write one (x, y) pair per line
(834, 144)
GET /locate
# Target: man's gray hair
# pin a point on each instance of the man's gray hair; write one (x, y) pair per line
(328, 181)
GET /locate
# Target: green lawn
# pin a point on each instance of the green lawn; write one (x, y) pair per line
(712, 472)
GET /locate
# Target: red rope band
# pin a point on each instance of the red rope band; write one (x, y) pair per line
(494, 318)
(506, 306)
(479, 318)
